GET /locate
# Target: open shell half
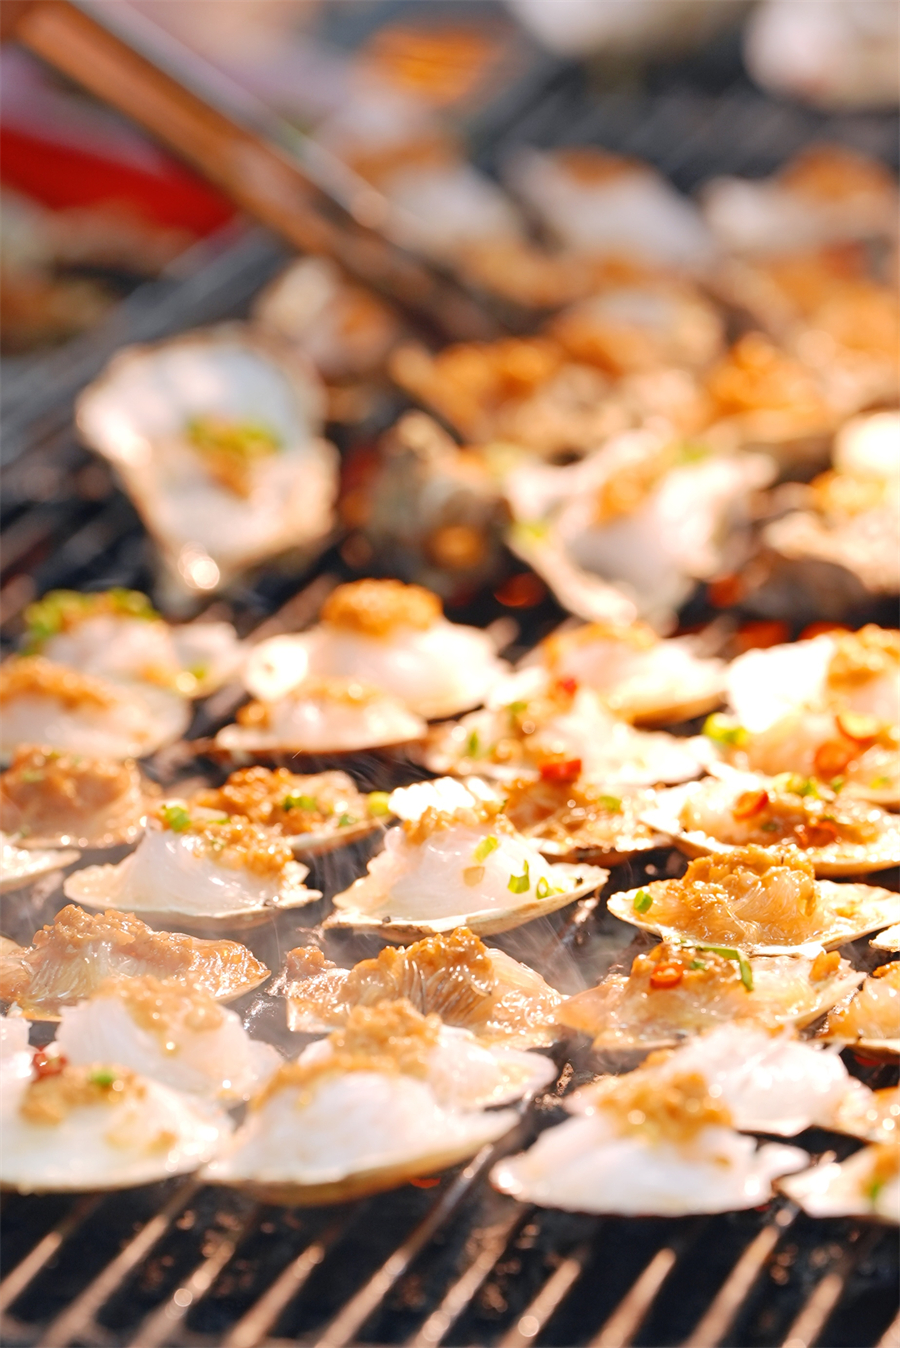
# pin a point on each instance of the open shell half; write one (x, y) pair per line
(865, 1185)
(19, 867)
(48, 799)
(869, 1020)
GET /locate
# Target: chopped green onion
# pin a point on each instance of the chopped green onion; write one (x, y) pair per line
(486, 847)
(642, 901)
(880, 781)
(542, 888)
(770, 826)
(176, 818)
(379, 802)
(837, 784)
(103, 1076)
(729, 953)
(473, 745)
(697, 964)
(611, 803)
(32, 775)
(299, 802)
(345, 820)
(719, 729)
(518, 884)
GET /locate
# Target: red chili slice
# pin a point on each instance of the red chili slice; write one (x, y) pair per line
(44, 1065)
(568, 685)
(749, 803)
(567, 771)
(667, 975)
(857, 726)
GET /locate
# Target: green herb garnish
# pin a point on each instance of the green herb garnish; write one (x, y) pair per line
(697, 964)
(486, 847)
(770, 826)
(473, 745)
(299, 802)
(542, 888)
(345, 820)
(729, 953)
(720, 730)
(103, 1076)
(61, 610)
(611, 803)
(175, 817)
(379, 802)
(518, 884)
(642, 901)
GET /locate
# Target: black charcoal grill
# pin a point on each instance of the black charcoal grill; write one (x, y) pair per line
(444, 1260)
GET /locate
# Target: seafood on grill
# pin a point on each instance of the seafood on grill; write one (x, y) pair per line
(867, 1184)
(561, 732)
(169, 1031)
(602, 204)
(889, 939)
(874, 1117)
(216, 435)
(642, 1150)
(769, 1083)
(390, 1096)
(763, 901)
(456, 976)
(65, 710)
(71, 957)
(840, 836)
(48, 799)
(100, 1125)
(196, 863)
(676, 990)
(580, 820)
(321, 716)
(642, 678)
(648, 514)
(118, 635)
(870, 1019)
(313, 813)
(456, 860)
(386, 634)
(19, 867)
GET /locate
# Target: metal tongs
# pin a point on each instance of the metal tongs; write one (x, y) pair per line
(264, 164)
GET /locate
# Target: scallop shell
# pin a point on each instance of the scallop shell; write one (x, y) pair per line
(877, 1048)
(324, 725)
(837, 859)
(71, 957)
(833, 1189)
(109, 826)
(889, 939)
(874, 908)
(136, 413)
(874, 1117)
(19, 867)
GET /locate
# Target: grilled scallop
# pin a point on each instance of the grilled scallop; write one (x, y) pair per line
(889, 939)
(321, 716)
(313, 813)
(761, 900)
(874, 1117)
(372, 1107)
(198, 865)
(18, 867)
(839, 836)
(458, 977)
(674, 991)
(169, 1031)
(642, 1150)
(865, 1185)
(70, 712)
(870, 1019)
(70, 958)
(641, 677)
(453, 864)
(560, 733)
(386, 634)
(50, 799)
(100, 1126)
(578, 820)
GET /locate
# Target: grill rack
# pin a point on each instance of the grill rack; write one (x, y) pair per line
(453, 1263)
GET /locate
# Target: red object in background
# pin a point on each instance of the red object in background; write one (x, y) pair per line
(64, 150)
(568, 771)
(760, 634)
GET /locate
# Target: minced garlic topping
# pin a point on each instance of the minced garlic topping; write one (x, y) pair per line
(720, 898)
(376, 608)
(452, 975)
(863, 655)
(846, 494)
(671, 1110)
(390, 1038)
(33, 676)
(43, 791)
(285, 800)
(689, 968)
(163, 1006)
(433, 821)
(640, 636)
(51, 1098)
(235, 843)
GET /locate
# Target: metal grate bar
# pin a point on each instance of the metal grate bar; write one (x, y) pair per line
(723, 1311)
(27, 1270)
(343, 1328)
(493, 1242)
(628, 1316)
(555, 1289)
(259, 1319)
(75, 1319)
(161, 1323)
(810, 1322)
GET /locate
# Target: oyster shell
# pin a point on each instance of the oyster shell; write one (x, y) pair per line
(642, 678)
(865, 1185)
(19, 867)
(169, 1031)
(48, 799)
(366, 1110)
(455, 861)
(322, 716)
(840, 837)
(216, 436)
(386, 634)
(467, 983)
(760, 900)
(101, 1126)
(562, 733)
(313, 813)
(674, 991)
(870, 1019)
(53, 705)
(197, 865)
(70, 958)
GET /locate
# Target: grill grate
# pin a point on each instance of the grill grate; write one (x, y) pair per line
(454, 1263)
